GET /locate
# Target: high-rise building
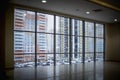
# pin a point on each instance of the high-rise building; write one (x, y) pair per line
(41, 37)
(24, 35)
(63, 40)
(76, 38)
(19, 36)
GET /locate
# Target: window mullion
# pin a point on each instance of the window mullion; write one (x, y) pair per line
(70, 41)
(104, 42)
(35, 39)
(94, 42)
(83, 50)
(54, 40)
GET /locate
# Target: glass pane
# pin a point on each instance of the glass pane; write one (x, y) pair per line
(62, 25)
(76, 58)
(89, 29)
(62, 44)
(44, 43)
(89, 57)
(24, 49)
(99, 45)
(76, 44)
(99, 30)
(24, 60)
(45, 59)
(24, 20)
(76, 27)
(24, 42)
(62, 58)
(99, 56)
(45, 23)
(89, 44)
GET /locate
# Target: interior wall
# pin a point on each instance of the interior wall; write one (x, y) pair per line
(113, 42)
(9, 38)
(2, 44)
(3, 9)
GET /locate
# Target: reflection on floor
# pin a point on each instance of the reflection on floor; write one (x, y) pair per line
(86, 71)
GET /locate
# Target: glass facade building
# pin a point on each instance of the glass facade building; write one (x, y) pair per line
(43, 39)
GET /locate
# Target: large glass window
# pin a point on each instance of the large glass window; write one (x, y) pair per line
(45, 23)
(62, 40)
(76, 41)
(62, 44)
(24, 20)
(24, 38)
(62, 25)
(77, 27)
(89, 49)
(99, 45)
(40, 40)
(89, 29)
(89, 42)
(99, 42)
(99, 30)
(45, 44)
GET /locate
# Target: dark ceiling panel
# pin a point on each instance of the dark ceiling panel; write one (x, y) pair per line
(75, 8)
(113, 4)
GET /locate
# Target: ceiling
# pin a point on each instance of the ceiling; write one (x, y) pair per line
(78, 8)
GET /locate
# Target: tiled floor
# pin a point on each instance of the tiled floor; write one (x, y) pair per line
(87, 71)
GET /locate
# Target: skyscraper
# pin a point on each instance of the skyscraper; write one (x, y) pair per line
(63, 39)
(41, 37)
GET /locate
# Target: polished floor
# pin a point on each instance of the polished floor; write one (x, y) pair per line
(86, 71)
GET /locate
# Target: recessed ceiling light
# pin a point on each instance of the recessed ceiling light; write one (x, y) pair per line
(115, 20)
(24, 14)
(44, 1)
(87, 12)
